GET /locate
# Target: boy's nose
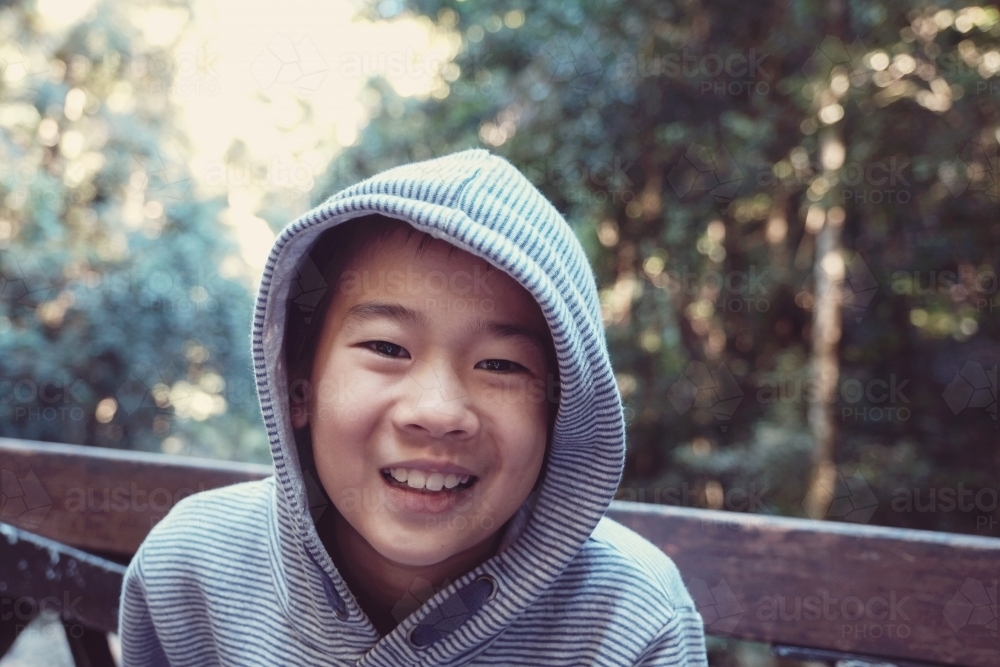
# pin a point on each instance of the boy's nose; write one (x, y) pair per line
(437, 402)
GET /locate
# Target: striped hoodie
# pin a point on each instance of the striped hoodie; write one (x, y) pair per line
(239, 576)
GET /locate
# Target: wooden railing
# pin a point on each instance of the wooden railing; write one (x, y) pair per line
(813, 590)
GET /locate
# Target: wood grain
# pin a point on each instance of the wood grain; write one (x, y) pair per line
(897, 594)
(103, 500)
(38, 575)
(909, 594)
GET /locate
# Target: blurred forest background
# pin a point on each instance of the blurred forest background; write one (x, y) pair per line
(790, 206)
(791, 209)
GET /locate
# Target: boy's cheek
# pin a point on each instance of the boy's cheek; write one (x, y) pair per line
(340, 483)
(537, 390)
(520, 393)
(348, 501)
(337, 390)
(353, 392)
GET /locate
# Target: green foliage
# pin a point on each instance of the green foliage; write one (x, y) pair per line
(683, 143)
(122, 322)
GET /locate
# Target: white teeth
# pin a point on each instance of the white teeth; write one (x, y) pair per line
(433, 481)
(415, 479)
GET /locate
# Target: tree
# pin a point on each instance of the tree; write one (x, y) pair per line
(122, 320)
(754, 194)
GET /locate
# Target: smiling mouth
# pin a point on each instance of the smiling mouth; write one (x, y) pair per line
(433, 482)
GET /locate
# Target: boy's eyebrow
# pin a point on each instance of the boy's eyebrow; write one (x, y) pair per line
(507, 330)
(372, 310)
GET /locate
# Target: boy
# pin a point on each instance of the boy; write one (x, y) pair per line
(447, 435)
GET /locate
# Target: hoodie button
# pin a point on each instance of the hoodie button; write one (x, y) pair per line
(455, 611)
(418, 641)
(493, 586)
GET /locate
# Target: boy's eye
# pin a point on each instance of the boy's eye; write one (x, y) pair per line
(388, 349)
(500, 365)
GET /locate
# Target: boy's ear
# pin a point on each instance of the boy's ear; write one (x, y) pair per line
(298, 398)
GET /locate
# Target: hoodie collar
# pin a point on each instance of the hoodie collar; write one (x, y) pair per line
(482, 204)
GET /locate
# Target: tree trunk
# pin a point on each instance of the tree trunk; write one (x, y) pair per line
(828, 275)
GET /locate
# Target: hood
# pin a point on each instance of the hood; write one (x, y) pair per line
(480, 203)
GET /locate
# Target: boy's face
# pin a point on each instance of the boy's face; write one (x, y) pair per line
(428, 406)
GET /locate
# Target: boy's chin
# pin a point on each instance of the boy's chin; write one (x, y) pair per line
(417, 558)
(427, 550)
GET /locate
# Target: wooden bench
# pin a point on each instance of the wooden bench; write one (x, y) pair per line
(813, 590)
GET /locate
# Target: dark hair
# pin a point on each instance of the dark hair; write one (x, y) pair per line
(318, 275)
(317, 279)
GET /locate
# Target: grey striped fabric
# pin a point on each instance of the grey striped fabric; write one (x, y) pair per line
(239, 576)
